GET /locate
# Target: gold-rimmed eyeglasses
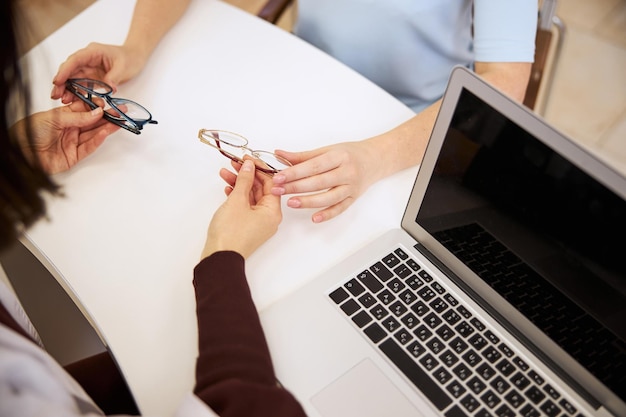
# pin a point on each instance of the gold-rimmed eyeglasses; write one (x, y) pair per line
(235, 147)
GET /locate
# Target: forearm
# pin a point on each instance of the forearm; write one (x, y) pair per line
(152, 19)
(404, 146)
(234, 373)
(509, 77)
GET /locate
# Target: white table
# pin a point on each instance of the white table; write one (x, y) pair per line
(124, 241)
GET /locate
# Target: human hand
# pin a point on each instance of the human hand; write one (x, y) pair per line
(109, 63)
(250, 215)
(336, 176)
(63, 136)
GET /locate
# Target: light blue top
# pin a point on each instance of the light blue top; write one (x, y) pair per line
(409, 47)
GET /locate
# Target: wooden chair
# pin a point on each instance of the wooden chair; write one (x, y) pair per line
(547, 53)
(547, 48)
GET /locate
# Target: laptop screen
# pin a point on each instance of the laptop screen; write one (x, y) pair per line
(538, 230)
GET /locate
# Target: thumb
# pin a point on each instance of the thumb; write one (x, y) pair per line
(245, 179)
(80, 118)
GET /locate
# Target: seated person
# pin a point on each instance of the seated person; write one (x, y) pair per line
(234, 373)
(408, 47)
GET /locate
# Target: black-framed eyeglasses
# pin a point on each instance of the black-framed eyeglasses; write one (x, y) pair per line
(125, 113)
(235, 147)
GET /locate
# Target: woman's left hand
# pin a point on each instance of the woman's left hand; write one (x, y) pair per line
(63, 136)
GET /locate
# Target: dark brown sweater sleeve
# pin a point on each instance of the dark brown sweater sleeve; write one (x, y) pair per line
(234, 372)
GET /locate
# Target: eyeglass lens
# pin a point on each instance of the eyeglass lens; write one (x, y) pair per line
(112, 105)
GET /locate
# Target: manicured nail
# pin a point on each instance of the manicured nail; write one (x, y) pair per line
(279, 178)
(318, 218)
(278, 191)
(294, 203)
(247, 166)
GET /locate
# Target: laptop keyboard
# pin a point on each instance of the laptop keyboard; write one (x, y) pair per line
(447, 353)
(560, 318)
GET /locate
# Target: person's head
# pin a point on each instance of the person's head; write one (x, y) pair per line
(21, 182)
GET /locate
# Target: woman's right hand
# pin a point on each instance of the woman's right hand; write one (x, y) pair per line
(249, 216)
(109, 63)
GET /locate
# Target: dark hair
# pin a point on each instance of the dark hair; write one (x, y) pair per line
(21, 181)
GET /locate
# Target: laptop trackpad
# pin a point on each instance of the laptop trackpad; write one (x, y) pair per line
(363, 391)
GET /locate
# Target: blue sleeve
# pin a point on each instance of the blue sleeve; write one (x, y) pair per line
(504, 30)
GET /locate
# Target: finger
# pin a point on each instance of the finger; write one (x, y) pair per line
(89, 146)
(79, 119)
(299, 157)
(313, 175)
(245, 180)
(312, 163)
(229, 177)
(324, 199)
(87, 57)
(332, 211)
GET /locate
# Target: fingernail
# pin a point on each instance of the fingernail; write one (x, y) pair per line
(318, 218)
(96, 111)
(278, 178)
(247, 166)
(294, 203)
(278, 190)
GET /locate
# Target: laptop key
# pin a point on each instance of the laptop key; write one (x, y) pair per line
(398, 308)
(470, 403)
(402, 271)
(350, 307)
(520, 381)
(370, 281)
(339, 295)
(455, 412)
(420, 308)
(567, 406)
(367, 300)
(490, 398)
(445, 333)
(425, 276)
(375, 332)
(401, 254)
(476, 385)
(505, 411)
(456, 388)
(379, 312)
(354, 287)
(416, 349)
(429, 362)
(514, 398)
(505, 367)
(407, 297)
(386, 297)
(500, 384)
(380, 270)
(415, 374)
(458, 345)
(529, 411)
(413, 265)
(550, 408)
(361, 318)
(462, 371)
(391, 260)
(534, 394)
(551, 391)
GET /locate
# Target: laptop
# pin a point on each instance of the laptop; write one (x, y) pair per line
(502, 294)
